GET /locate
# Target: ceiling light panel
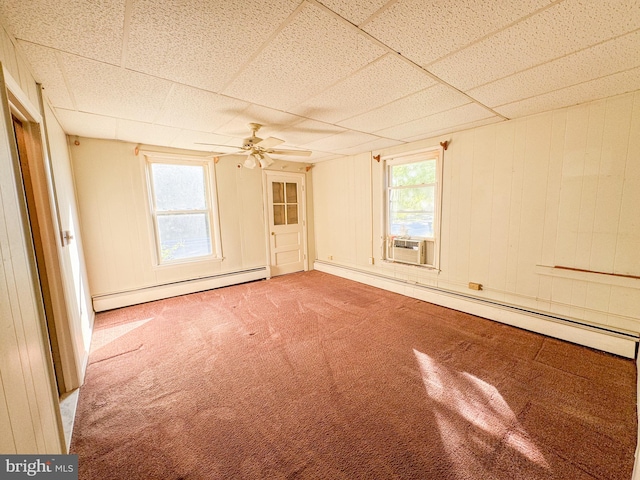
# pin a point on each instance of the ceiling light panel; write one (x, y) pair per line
(90, 29)
(563, 29)
(421, 104)
(377, 84)
(354, 11)
(113, 91)
(47, 72)
(425, 31)
(196, 109)
(199, 42)
(602, 60)
(618, 83)
(313, 52)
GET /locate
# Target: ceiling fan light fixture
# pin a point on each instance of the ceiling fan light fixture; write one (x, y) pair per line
(265, 161)
(250, 162)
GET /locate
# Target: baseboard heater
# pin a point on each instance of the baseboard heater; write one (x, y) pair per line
(601, 338)
(157, 292)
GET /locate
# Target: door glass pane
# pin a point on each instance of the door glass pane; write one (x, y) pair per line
(179, 187)
(184, 236)
(292, 193)
(278, 192)
(292, 214)
(278, 215)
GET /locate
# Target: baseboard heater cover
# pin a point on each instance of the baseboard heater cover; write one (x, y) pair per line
(619, 343)
(158, 292)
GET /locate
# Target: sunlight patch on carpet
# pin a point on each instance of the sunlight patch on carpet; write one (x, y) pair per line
(106, 335)
(471, 412)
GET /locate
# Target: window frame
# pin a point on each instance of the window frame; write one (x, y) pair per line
(211, 210)
(434, 153)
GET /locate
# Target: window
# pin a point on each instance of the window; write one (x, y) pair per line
(285, 203)
(182, 208)
(413, 205)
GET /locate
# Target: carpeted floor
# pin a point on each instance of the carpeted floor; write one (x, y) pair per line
(310, 376)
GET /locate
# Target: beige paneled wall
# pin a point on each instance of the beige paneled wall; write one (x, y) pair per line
(29, 416)
(117, 232)
(519, 198)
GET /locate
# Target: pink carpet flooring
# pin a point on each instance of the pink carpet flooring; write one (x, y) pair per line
(310, 376)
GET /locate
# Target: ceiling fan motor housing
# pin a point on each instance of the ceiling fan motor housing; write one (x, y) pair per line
(249, 142)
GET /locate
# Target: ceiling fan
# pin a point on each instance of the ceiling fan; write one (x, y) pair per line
(258, 150)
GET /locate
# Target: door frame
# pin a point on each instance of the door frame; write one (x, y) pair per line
(66, 371)
(303, 209)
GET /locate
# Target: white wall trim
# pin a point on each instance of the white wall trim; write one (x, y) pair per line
(158, 292)
(618, 343)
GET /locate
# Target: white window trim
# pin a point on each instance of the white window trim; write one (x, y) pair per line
(208, 163)
(436, 153)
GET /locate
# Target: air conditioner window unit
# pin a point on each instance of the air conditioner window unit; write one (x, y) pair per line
(408, 251)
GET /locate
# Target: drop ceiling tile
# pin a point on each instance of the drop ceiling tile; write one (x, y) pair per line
(190, 140)
(199, 42)
(86, 124)
(355, 11)
(309, 131)
(611, 85)
(458, 128)
(90, 29)
(425, 31)
(601, 60)
(47, 71)
(195, 109)
(383, 81)
(448, 120)
(272, 121)
(313, 52)
(113, 91)
(145, 133)
(426, 102)
(565, 28)
(341, 141)
(379, 144)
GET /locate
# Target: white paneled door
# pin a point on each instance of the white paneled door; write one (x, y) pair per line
(287, 222)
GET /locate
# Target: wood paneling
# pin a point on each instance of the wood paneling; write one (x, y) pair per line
(560, 188)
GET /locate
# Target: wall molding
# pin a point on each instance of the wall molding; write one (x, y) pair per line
(158, 292)
(608, 340)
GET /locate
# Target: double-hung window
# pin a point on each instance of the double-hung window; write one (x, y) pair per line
(413, 207)
(183, 208)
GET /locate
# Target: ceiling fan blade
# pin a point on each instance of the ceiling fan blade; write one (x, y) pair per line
(299, 153)
(215, 144)
(269, 142)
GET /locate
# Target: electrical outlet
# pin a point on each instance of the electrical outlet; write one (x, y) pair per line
(475, 286)
(330, 257)
(371, 260)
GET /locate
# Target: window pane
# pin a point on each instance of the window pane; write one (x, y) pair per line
(179, 187)
(278, 192)
(292, 214)
(411, 211)
(184, 236)
(292, 193)
(413, 173)
(278, 215)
